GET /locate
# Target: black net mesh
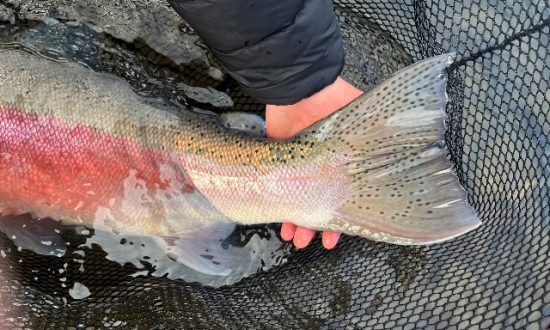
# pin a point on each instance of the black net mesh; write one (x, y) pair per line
(495, 277)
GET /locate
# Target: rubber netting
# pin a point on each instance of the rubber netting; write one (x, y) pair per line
(497, 276)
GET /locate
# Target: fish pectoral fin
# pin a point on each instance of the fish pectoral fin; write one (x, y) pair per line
(203, 249)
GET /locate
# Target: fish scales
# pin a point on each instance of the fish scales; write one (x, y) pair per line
(82, 147)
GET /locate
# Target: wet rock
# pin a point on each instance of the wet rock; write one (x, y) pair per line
(152, 21)
(7, 15)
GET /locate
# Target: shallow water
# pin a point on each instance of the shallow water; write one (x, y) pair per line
(195, 82)
(260, 247)
(481, 277)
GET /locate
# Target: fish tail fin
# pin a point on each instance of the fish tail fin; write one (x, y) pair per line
(403, 189)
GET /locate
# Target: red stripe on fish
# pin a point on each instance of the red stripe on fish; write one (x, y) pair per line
(52, 168)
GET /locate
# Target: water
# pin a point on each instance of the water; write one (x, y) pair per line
(153, 61)
(73, 42)
(485, 277)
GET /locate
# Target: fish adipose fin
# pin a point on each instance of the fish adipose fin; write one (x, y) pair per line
(403, 188)
(243, 122)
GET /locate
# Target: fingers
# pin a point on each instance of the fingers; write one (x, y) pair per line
(330, 239)
(287, 231)
(301, 236)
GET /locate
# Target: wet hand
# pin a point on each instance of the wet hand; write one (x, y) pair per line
(283, 122)
(301, 237)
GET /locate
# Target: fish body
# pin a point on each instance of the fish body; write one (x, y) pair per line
(82, 147)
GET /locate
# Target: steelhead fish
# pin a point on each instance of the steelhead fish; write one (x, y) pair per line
(82, 147)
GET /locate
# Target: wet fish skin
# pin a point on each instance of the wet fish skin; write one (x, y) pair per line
(82, 147)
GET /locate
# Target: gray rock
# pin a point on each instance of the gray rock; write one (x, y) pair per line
(7, 15)
(152, 21)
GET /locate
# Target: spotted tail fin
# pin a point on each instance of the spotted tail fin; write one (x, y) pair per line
(403, 189)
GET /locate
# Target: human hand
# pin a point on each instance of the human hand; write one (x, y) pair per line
(283, 122)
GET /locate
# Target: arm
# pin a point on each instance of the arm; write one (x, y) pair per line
(280, 52)
(286, 54)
